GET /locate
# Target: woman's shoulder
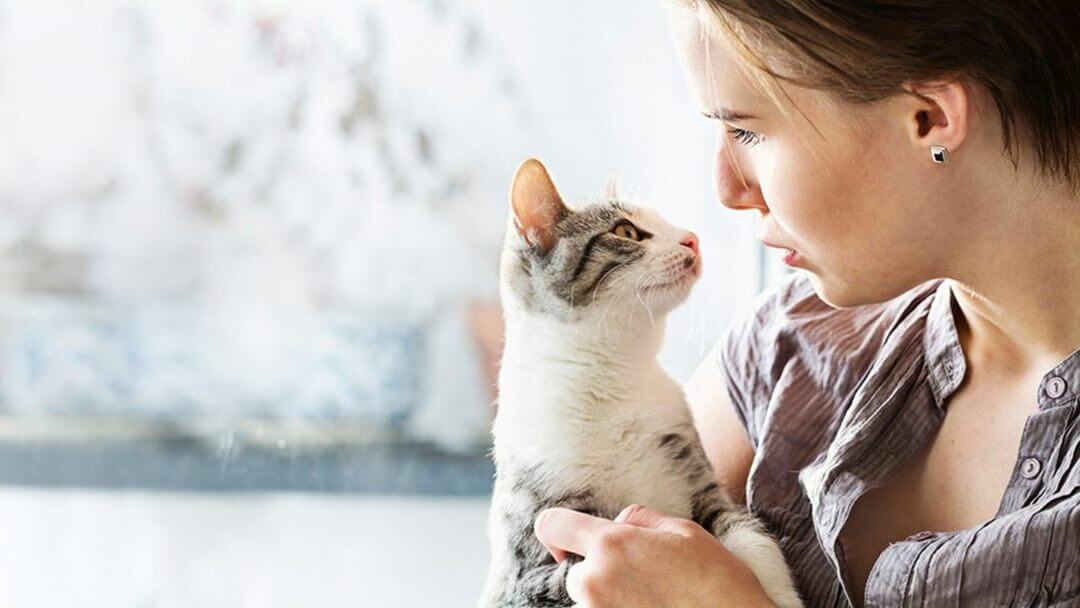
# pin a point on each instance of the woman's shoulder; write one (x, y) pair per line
(792, 339)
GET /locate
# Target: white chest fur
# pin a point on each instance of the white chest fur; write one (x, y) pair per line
(590, 416)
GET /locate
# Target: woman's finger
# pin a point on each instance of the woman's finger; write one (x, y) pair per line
(565, 531)
(574, 587)
(637, 515)
(647, 517)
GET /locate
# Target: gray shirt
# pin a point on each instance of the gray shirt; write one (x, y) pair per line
(835, 401)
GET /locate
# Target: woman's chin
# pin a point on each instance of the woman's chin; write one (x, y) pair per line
(840, 294)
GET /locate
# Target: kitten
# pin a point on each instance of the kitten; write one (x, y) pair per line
(587, 419)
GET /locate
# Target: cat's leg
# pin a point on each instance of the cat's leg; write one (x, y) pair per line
(749, 542)
(523, 572)
(746, 538)
(545, 586)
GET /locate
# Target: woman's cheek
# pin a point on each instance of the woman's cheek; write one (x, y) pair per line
(790, 194)
(809, 214)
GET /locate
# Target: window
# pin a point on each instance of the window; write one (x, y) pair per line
(248, 302)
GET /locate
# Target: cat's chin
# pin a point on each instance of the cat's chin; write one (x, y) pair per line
(680, 284)
(678, 288)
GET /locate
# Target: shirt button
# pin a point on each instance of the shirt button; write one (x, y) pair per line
(1055, 387)
(1031, 468)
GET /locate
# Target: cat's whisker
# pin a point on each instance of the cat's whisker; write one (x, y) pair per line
(596, 290)
(600, 326)
(635, 277)
(648, 310)
(600, 283)
(611, 301)
(637, 292)
(695, 316)
(640, 186)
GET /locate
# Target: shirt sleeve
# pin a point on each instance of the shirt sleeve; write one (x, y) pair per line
(748, 353)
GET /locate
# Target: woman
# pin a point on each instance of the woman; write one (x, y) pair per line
(908, 438)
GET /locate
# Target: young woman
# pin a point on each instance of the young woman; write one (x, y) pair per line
(902, 411)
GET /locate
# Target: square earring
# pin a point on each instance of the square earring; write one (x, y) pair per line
(939, 154)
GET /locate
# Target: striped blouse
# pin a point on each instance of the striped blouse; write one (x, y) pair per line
(837, 400)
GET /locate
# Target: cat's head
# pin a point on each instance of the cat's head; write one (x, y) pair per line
(604, 260)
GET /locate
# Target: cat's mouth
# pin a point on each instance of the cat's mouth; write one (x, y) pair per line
(686, 277)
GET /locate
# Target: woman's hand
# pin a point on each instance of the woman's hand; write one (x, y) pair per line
(648, 559)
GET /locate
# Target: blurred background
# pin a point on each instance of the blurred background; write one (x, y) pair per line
(249, 325)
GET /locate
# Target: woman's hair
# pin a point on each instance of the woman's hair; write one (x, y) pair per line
(1025, 52)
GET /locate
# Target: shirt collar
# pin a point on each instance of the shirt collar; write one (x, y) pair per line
(946, 363)
(944, 357)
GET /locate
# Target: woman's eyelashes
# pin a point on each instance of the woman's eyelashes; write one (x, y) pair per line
(747, 138)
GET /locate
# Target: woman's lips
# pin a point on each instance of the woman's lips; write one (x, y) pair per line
(791, 257)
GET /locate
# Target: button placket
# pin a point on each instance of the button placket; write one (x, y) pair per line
(1036, 445)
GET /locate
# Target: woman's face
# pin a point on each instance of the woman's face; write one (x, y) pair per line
(855, 198)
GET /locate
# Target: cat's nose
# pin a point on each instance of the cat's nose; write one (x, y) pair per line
(691, 241)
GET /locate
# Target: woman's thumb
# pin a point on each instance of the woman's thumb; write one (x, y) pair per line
(646, 517)
(642, 517)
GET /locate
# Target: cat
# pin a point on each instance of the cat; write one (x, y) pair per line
(586, 418)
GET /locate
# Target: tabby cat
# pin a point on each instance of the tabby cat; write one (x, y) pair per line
(587, 418)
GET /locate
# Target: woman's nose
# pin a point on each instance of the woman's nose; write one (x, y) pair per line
(735, 187)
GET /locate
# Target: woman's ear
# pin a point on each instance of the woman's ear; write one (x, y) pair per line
(536, 204)
(939, 114)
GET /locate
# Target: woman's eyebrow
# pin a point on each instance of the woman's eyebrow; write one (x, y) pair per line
(727, 115)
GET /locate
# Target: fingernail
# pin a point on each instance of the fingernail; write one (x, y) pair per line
(539, 520)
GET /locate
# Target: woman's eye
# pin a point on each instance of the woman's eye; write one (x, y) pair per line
(747, 138)
(627, 230)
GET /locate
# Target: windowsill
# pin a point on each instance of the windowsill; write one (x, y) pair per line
(189, 463)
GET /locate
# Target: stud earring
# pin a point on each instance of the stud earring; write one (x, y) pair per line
(939, 154)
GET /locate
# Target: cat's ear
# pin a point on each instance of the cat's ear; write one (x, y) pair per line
(536, 204)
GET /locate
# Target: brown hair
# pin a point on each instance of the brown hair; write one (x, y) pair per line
(1025, 52)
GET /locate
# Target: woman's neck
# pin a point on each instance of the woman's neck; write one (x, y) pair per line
(1017, 285)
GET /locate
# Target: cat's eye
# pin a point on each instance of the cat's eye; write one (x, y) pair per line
(627, 230)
